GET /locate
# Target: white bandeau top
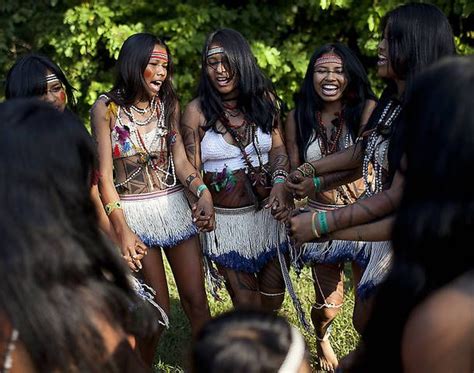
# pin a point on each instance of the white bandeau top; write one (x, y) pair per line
(217, 153)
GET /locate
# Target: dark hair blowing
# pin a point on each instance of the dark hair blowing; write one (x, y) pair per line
(58, 276)
(257, 95)
(26, 78)
(435, 218)
(242, 341)
(130, 84)
(308, 102)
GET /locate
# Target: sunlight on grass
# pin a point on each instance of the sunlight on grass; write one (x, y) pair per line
(171, 356)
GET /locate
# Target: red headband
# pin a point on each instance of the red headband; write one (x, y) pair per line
(328, 58)
(159, 55)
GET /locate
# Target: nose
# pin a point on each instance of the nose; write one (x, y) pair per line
(221, 67)
(50, 97)
(161, 70)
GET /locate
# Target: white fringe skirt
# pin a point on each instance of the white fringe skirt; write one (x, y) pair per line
(162, 218)
(245, 239)
(374, 257)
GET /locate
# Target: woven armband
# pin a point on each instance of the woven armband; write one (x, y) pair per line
(111, 206)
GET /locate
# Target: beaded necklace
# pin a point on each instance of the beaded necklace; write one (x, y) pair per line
(329, 146)
(379, 139)
(152, 108)
(147, 155)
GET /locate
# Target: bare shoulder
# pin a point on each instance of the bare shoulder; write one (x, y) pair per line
(193, 115)
(439, 333)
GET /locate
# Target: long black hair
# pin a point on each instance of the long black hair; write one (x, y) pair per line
(435, 218)
(308, 102)
(130, 84)
(241, 341)
(59, 278)
(418, 36)
(26, 78)
(257, 95)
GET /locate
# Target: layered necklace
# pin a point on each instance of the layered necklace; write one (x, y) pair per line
(330, 145)
(160, 165)
(378, 142)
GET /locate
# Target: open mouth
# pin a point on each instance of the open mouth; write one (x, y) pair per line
(223, 81)
(156, 84)
(382, 60)
(329, 89)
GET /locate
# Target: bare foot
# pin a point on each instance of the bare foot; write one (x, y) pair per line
(326, 356)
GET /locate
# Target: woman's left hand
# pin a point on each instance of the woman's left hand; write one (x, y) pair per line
(280, 202)
(203, 213)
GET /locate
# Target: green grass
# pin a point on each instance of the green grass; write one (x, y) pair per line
(172, 351)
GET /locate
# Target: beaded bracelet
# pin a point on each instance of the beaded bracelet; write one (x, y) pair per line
(313, 225)
(278, 180)
(200, 190)
(307, 169)
(278, 173)
(111, 206)
(317, 183)
(323, 222)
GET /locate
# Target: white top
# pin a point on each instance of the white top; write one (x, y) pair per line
(217, 153)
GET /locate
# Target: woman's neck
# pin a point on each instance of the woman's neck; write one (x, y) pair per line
(401, 84)
(332, 107)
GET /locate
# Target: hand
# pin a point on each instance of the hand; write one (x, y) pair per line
(299, 228)
(300, 186)
(280, 202)
(133, 249)
(203, 213)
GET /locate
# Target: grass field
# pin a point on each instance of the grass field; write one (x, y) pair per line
(172, 351)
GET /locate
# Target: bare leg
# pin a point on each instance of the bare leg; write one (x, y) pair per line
(187, 266)
(154, 275)
(329, 290)
(242, 288)
(362, 308)
(272, 286)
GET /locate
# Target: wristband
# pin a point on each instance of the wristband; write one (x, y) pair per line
(200, 190)
(323, 222)
(313, 225)
(111, 206)
(317, 183)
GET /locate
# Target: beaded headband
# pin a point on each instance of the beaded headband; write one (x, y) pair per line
(50, 78)
(295, 355)
(159, 55)
(328, 58)
(214, 51)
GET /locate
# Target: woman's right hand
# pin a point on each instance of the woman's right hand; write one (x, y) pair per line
(133, 249)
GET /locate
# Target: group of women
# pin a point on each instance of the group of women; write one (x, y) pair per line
(221, 177)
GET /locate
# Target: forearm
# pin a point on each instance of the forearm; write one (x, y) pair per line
(335, 179)
(347, 159)
(380, 230)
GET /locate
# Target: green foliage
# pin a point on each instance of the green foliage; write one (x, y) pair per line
(84, 37)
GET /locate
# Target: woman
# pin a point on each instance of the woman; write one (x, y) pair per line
(231, 131)
(135, 125)
(407, 31)
(35, 75)
(334, 99)
(64, 296)
(249, 341)
(429, 294)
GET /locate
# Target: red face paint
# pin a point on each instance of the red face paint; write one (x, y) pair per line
(148, 73)
(62, 96)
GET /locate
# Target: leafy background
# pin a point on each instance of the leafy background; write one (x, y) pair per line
(84, 37)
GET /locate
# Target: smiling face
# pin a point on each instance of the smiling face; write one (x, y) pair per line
(329, 78)
(55, 92)
(219, 71)
(156, 70)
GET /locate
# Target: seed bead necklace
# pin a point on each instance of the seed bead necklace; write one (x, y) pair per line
(379, 139)
(147, 158)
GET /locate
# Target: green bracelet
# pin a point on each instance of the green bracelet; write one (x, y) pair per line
(200, 190)
(323, 222)
(278, 180)
(317, 183)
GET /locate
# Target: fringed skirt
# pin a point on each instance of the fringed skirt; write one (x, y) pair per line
(373, 257)
(245, 239)
(162, 218)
